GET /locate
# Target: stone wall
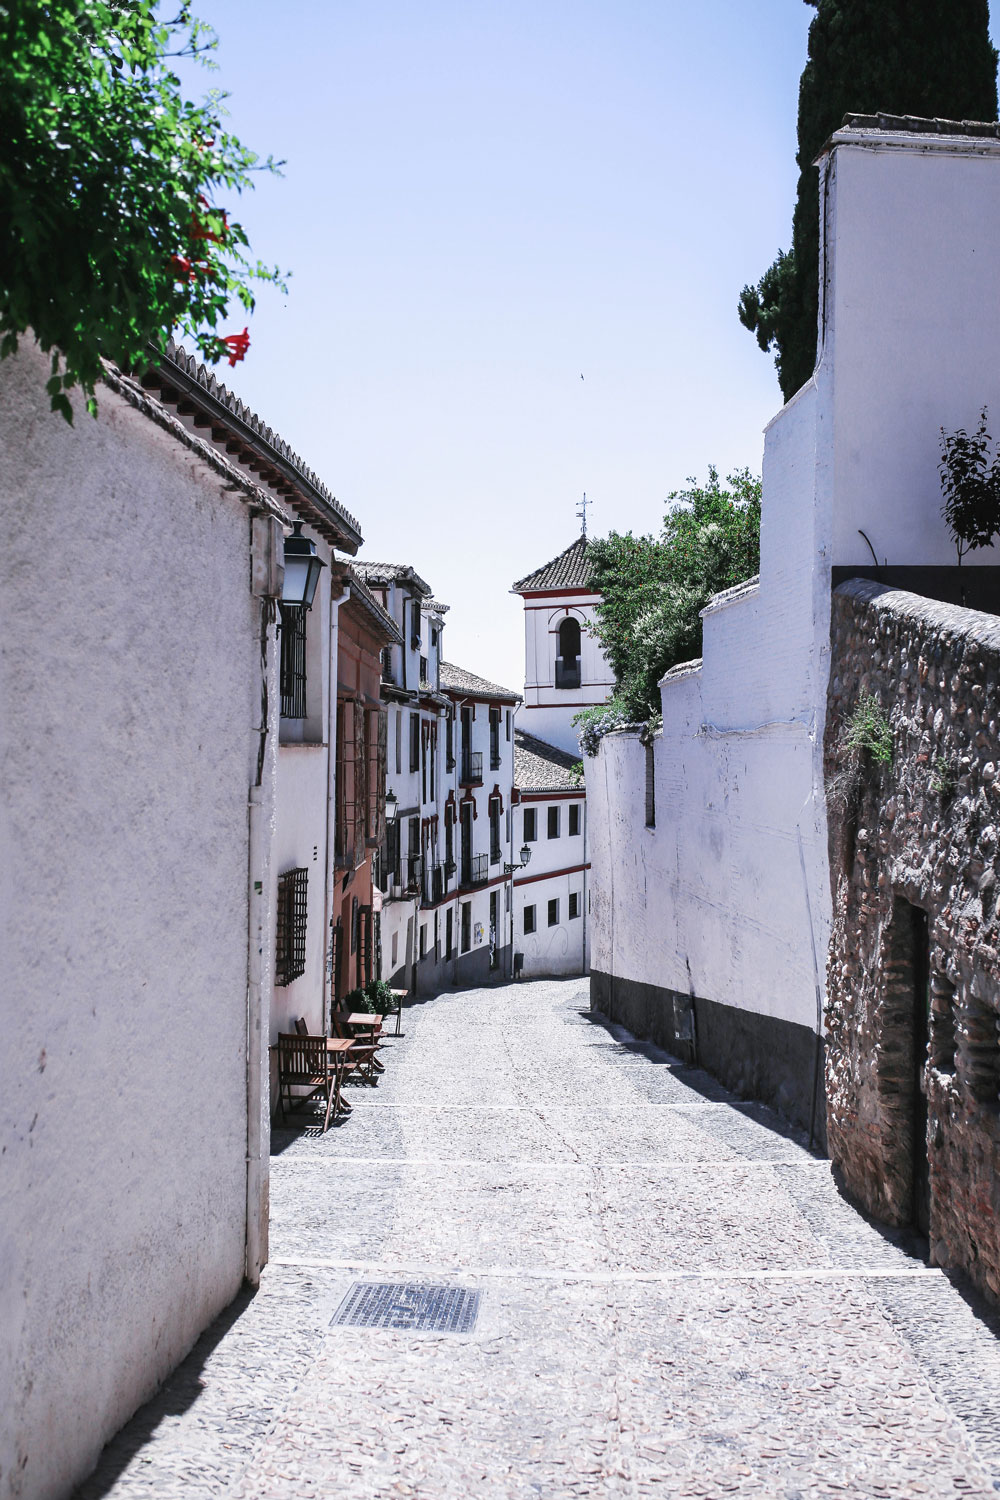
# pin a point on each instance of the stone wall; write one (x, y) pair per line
(913, 981)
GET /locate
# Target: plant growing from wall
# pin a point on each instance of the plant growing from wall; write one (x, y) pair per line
(113, 229)
(868, 731)
(918, 57)
(971, 486)
(943, 778)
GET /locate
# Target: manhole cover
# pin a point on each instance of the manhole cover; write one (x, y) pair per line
(425, 1309)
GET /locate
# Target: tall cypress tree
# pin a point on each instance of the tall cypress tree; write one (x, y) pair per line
(931, 58)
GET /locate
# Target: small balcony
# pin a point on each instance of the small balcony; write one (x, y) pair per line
(476, 870)
(568, 672)
(433, 885)
(414, 871)
(472, 768)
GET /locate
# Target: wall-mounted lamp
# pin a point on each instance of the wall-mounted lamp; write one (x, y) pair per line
(525, 856)
(302, 569)
(391, 807)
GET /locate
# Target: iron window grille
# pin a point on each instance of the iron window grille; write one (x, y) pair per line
(567, 673)
(476, 870)
(472, 768)
(291, 934)
(495, 851)
(293, 661)
(574, 904)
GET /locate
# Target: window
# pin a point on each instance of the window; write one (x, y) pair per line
(423, 939)
(293, 661)
(650, 788)
(494, 739)
(387, 664)
(574, 819)
(423, 669)
(399, 742)
(414, 742)
(291, 935)
(449, 932)
(415, 626)
(494, 924)
(574, 905)
(553, 823)
(508, 723)
(554, 913)
(392, 851)
(528, 923)
(449, 743)
(529, 825)
(395, 949)
(466, 926)
(494, 832)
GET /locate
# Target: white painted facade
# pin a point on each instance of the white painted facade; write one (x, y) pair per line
(136, 937)
(728, 896)
(551, 892)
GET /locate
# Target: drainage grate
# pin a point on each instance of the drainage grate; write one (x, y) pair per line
(424, 1309)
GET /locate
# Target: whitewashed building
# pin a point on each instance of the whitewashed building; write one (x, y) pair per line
(138, 584)
(303, 834)
(551, 888)
(473, 929)
(565, 669)
(711, 901)
(418, 870)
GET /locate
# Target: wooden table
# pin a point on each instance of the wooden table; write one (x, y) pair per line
(363, 1020)
(339, 1049)
(399, 996)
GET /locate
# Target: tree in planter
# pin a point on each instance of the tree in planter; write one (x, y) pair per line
(907, 57)
(971, 486)
(653, 589)
(111, 232)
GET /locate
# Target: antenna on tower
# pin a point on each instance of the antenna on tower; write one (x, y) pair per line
(581, 511)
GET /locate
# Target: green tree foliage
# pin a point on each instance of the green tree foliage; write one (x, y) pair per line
(971, 485)
(653, 588)
(112, 232)
(931, 58)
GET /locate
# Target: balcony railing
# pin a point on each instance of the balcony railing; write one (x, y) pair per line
(414, 867)
(567, 672)
(433, 885)
(496, 760)
(476, 871)
(472, 768)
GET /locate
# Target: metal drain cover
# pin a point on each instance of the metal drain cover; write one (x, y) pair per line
(420, 1309)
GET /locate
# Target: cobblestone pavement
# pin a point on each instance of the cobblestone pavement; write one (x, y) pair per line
(676, 1301)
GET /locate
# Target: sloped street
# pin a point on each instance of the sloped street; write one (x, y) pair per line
(675, 1300)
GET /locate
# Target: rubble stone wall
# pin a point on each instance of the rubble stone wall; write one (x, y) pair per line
(913, 980)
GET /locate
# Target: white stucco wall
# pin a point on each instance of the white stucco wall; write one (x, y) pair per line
(548, 711)
(552, 874)
(131, 691)
(728, 897)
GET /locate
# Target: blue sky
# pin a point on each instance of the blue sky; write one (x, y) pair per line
(481, 203)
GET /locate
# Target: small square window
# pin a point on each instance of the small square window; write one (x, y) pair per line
(554, 913)
(574, 905)
(553, 822)
(529, 919)
(530, 826)
(574, 819)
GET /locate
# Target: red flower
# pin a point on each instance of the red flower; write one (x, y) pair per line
(183, 267)
(236, 346)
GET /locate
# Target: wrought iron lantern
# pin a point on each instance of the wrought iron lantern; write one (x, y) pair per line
(302, 569)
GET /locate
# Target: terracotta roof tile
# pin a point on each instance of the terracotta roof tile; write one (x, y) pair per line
(458, 680)
(541, 767)
(569, 570)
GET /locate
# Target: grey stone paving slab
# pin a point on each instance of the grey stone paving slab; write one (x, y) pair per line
(676, 1299)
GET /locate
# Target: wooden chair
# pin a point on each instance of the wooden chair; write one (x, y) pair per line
(301, 1026)
(305, 1063)
(364, 1050)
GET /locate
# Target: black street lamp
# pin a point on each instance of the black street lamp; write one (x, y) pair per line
(525, 856)
(391, 807)
(302, 569)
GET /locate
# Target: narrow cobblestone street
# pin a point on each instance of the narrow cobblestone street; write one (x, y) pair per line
(676, 1301)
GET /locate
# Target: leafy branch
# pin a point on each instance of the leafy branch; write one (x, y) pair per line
(114, 231)
(971, 486)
